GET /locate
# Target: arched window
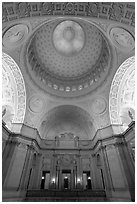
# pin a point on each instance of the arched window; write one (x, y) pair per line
(13, 92)
(122, 95)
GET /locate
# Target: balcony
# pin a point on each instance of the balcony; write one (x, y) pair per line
(65, 195)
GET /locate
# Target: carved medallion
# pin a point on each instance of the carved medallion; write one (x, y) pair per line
(36, 104)
(99, 105)
(15, 35)
(122, 39)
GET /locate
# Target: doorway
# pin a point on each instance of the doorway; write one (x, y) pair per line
(66, 179)
(45, 179)
(86, 180)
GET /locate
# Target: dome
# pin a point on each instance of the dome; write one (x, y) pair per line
(68, 57)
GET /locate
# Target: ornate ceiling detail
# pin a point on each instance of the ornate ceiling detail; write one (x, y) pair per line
(68, 56)
(99, 105)
(16, 88)
(122, 39)
(15, 35)
(116, 11)
(122, 90)
(66, 119)
(36, 104)
(68, 38)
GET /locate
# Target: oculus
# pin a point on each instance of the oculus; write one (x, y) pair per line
(68, 38)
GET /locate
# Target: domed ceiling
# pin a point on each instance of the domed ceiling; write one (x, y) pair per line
(68, 57)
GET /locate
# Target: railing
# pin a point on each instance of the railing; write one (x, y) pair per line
(65, 193)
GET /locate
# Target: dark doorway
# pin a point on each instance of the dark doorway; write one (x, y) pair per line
(87, 180)
(45, 179)
(66, 176)
(66, 183)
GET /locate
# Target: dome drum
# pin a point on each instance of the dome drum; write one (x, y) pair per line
(76, 68)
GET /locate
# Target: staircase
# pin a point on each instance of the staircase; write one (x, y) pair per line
(65, 196)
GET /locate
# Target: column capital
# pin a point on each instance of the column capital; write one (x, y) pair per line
(119, 143)
(22, 145)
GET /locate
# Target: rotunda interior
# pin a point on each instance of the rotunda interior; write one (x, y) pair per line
(68, 101)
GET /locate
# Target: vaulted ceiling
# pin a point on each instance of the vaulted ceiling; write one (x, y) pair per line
(68, 54)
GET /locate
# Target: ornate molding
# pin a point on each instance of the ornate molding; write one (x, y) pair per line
(65, 83)
(44, 76)
(99, 105)
(116, 11)
(15, 35)
(22, 146)
(117, 89)
(19, 89)
(122, 39)
(36, 104)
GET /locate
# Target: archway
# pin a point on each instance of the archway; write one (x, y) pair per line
(67, 119)
(13, 92)
(122, 95)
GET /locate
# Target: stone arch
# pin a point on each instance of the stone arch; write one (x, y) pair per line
(13, 92)
(122, 94)
(65, 118)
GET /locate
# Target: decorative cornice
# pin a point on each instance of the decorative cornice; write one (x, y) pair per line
(123, 12)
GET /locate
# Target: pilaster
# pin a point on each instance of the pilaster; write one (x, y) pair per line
(118, 185)
(13, 175)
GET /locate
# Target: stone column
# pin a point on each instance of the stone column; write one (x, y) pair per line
(73, 177)
(127, 166)
(60, 178)
(16, 167)
(36, 169)
(106, 171)
(3, 144)
(79, 172)
(120, 190)
(8, 157)
(93, 180)
(26, 168)
(32, 178)
(39, 171)
(5, 135)
(96, 173)
(57, 176)
(53, 173)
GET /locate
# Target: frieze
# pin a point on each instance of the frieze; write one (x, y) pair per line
(113, 11)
